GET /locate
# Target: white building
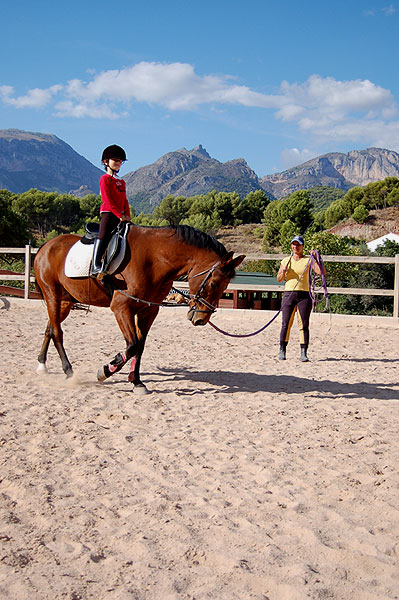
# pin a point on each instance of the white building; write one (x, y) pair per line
(394, 237)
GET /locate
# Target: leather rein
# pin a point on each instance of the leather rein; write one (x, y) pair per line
(196, 298)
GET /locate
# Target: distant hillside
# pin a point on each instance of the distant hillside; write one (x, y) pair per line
(43, 161)
(338, 170)
(378, 223)
(188, 173)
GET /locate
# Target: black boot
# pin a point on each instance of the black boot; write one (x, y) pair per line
(304, 355)
(282, 353)
(96, 263)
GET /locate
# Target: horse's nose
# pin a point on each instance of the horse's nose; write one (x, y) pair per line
(195, 318)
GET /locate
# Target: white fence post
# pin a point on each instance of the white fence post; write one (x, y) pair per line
(28, 248)
(396, 288)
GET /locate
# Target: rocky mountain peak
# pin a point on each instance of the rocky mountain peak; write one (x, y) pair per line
(336, 169)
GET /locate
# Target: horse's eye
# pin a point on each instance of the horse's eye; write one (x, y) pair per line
(213, 285)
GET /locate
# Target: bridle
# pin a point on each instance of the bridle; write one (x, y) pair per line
(196, 298)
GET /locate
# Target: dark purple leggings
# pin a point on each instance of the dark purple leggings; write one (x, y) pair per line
(108, 222)
(291, 303)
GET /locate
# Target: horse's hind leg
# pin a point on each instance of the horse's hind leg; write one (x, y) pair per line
(57, 313)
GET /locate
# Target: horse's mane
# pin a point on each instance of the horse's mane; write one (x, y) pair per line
(199, 239)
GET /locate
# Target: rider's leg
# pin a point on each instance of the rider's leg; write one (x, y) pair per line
(108, 223)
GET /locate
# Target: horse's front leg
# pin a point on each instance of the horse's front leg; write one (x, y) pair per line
(42, 358)
(112, 367)
(125, 315)
(144, 320)
(135, 329)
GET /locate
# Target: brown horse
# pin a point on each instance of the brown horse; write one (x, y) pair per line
(155, 257)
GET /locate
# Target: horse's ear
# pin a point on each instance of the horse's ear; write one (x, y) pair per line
(228, 260)
(238, 260)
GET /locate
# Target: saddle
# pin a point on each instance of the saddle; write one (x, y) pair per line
(77, 263)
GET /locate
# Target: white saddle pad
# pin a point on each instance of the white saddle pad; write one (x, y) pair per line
(77, 262)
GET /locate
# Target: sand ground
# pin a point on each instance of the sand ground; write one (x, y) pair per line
(239, 477)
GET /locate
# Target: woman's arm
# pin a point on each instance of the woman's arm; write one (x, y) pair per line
(282, 272)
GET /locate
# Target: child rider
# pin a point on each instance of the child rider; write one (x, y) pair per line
(114, 207)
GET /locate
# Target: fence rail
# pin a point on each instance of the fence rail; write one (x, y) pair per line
(28, 251)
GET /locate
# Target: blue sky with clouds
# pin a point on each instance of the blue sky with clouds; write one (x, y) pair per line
(275, 82)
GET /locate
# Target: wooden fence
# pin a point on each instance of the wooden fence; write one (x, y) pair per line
(28, 251)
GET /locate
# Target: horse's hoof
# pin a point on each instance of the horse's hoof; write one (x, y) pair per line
(101, 376)
(42, 369)
(140, 389)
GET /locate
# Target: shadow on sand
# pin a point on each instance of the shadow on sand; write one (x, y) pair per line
(230, 382)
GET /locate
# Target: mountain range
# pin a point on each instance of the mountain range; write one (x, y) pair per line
(188, 173)
(343, 171)
(43, 161)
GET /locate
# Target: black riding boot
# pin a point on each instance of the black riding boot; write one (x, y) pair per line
(98, 251)
(304, 356)
(282, 353)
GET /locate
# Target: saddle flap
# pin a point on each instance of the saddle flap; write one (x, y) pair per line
(91, 232)
(116, 248)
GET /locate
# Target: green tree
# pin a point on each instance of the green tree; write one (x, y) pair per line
(47, 210)
(322, 196)
(338, 274)
(287, 232)
(360, 214)
(14, 230)
(206, 223)
(225, 207)
(251, 209)
(274, 217)
(296, 209)
(172, 210)
(299, 208)
(90, 206)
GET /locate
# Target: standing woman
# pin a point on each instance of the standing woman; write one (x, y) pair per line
(114, 207)
(295, 270)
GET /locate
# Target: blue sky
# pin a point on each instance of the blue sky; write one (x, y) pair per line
(275, 82)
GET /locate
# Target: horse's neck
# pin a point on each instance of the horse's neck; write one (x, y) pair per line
(174, 257)
(198, 260)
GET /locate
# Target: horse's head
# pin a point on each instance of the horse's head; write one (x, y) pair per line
(206, 287)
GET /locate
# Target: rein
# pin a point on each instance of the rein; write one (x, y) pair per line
(195, 297)
(312, 280)
(312, 276)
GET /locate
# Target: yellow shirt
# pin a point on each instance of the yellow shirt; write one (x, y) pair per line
(295, 270)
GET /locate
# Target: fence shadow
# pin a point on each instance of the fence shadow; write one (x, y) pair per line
(232, 382)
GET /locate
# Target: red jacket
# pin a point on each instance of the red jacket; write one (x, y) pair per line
(113, 196)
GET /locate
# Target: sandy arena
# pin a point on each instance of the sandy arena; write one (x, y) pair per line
(240, 477)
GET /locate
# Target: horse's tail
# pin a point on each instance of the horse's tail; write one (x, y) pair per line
(37, 286)
(39, 289)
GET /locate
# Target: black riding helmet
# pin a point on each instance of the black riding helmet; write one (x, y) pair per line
(113, 151)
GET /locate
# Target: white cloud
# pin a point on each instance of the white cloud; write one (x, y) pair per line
(331, 98)
(175, 86)
(81, 110)
(321, 108)
(389, 10)
(36, 98)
